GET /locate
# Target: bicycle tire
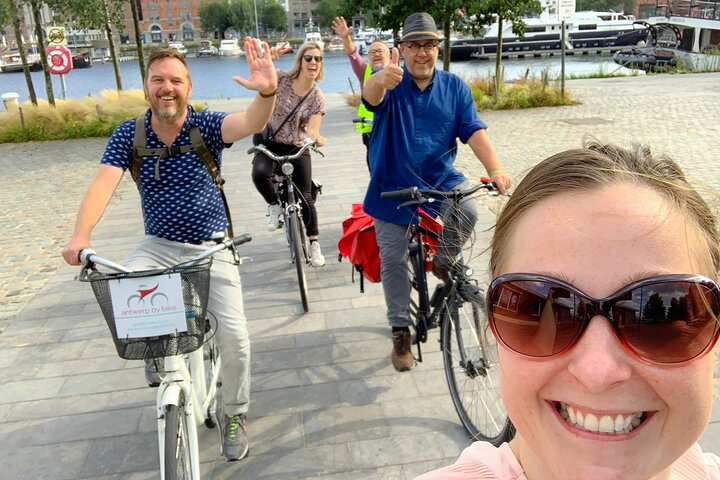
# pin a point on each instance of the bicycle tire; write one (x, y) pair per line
(298, 251)
(177, 449)
(473, 382)
(419, 294)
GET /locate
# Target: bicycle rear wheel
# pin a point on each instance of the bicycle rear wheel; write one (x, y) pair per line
(177, 448)
(297, 249)
(471, 369)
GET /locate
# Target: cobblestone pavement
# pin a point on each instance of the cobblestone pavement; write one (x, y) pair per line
(325, 403)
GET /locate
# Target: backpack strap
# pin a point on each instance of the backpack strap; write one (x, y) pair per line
(140, 150)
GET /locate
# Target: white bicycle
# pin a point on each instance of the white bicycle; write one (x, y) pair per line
(145, 322)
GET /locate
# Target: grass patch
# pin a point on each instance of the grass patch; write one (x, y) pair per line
(602, 73)
(527, 92)
(95, 116)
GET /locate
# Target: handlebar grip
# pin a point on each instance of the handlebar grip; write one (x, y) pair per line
(404, 193)
(85, 255)
(240, 239)
(251, 150)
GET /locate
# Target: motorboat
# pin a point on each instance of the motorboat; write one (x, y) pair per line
(335, 45)
(688, 38)
(584, 31)
(206, 49)
(312, 34)
(178, 47)
(12, 63)
(82, 60)
(229, 48)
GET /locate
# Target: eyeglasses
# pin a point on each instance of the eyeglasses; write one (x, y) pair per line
(376, 51)
(664, 320)
(428, 47)
(317, 58)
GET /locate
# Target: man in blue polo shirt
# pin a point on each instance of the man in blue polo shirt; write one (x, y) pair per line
(183, 208)
(420, 112)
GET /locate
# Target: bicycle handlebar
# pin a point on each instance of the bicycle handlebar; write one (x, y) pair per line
(363, 120)
(419, 196)
(88, 257)
(309, 143)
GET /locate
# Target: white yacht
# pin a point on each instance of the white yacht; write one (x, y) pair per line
(312, 34)
(229, 48)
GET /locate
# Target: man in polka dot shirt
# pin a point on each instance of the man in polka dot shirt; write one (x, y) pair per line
(183, 208)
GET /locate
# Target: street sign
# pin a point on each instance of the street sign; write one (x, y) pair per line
(56, 36)
(59, 59)
(565, 9)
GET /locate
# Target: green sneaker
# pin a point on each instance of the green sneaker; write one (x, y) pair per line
(235, 438)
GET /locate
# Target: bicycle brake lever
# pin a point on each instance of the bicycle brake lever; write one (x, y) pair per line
(419, 201)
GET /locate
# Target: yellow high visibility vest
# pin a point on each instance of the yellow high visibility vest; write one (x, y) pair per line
(362, 111)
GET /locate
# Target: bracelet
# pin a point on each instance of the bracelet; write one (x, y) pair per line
(268, 95)
(494, 171)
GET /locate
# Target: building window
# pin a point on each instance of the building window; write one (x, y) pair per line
(187, 32)
(155, 34)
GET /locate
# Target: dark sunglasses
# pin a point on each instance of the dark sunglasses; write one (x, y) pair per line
(665, 320)
(317, 58)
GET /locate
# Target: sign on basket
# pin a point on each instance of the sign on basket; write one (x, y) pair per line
(148, 306)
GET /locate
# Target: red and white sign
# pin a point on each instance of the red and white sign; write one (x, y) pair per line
(59, 59)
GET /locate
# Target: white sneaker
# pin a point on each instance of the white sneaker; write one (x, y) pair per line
(316, 257)
(275, 212)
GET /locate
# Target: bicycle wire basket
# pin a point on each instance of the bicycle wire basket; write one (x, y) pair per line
(195, 282)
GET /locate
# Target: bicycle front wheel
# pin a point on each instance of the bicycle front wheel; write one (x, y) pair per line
(297, 248)
(471, 370)
(177, 449)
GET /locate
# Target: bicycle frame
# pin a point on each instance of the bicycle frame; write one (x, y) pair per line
(192, 383)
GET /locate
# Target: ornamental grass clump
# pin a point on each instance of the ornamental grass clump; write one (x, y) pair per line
(527, 92)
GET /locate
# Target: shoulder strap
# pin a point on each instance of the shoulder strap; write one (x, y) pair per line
(140, 150)
(291, 112)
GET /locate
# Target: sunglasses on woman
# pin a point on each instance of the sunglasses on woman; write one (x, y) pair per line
(664, 320)
(317, 58)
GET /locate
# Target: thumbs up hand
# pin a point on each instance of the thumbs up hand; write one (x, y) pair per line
(393, 72)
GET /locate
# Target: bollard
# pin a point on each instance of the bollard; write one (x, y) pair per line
(10, 100)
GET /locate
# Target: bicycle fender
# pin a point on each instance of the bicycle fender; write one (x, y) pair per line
(171, 394)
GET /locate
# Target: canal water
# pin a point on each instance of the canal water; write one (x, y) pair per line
(212, 75)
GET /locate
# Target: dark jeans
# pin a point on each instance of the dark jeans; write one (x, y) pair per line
(263, 169)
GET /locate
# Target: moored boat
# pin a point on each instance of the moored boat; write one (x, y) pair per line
(206, 49)
(585, 31)
(12, 63)
(312, 34)
(229, 48)
(689, 38)
(82, 60)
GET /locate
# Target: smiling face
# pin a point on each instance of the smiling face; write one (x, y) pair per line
(378, 55)
(311, 64)
(599, 241)
(167, 88)
(420, 57)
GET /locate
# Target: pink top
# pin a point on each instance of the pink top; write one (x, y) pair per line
(482, 461)
(358, 65)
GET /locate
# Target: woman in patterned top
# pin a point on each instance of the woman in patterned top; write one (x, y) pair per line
(289, 136)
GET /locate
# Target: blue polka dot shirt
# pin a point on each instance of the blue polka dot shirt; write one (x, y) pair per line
(184, 204)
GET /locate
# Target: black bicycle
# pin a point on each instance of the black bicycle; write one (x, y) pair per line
(291, 203)
(457, 307)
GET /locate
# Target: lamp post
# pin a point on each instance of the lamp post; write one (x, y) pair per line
(257, 29)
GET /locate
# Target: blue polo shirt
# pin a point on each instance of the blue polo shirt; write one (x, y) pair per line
(183, 204)
(414, 140)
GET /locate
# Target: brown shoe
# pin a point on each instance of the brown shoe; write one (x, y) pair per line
(402, 357)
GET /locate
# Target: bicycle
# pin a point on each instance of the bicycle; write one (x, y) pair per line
(290, 201)
(457, 308)
(177, 329)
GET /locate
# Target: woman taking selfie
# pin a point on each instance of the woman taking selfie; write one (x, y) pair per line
(605, 308)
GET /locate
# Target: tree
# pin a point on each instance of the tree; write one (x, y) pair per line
(88, 14)
(654, 311)
(272, 15)
(40, 34)
(326, 11)
(215, 17)
(242, 16)
(138, 42)
(9, 15)
(485, 12)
